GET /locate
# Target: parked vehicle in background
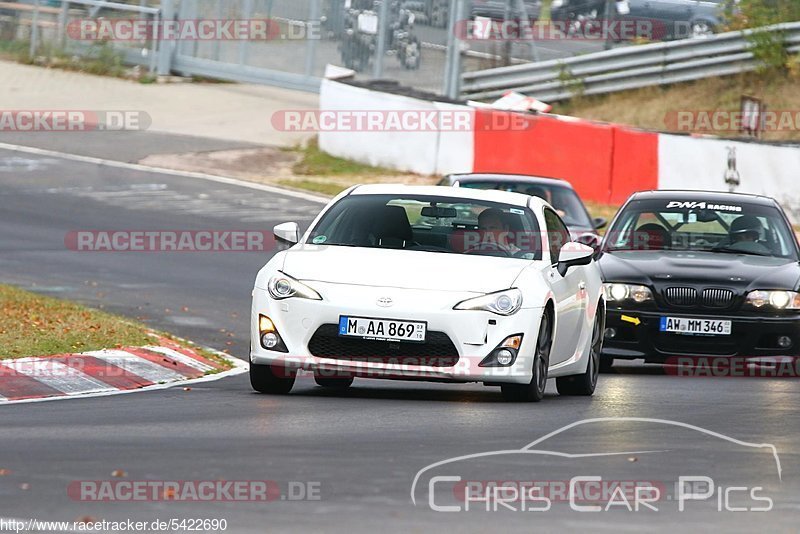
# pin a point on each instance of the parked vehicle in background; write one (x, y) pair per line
(558, 193)
(669, 19)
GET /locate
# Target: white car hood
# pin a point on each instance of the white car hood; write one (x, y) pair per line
(403, 268)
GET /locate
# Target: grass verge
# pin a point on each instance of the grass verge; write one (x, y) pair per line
(315, 162)
(36, 325)
(656, 107)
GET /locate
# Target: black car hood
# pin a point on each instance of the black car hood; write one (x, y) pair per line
(739, 271)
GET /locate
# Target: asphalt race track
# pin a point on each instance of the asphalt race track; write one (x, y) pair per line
(360, 449)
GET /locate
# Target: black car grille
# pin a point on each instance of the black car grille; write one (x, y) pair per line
(717, 298)
(691, 297)
(437, 351)
(681, 296)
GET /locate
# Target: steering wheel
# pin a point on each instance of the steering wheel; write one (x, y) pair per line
(488, 247)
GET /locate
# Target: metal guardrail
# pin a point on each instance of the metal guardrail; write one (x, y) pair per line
(626, 68)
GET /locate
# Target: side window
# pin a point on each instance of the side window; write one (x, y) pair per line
(557, 234)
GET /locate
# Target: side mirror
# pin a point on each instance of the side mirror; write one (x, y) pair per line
(286, 234)
(572, 255)
(599, 222)
(590, 240)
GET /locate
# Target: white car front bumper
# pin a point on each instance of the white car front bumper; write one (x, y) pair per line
(458, 340)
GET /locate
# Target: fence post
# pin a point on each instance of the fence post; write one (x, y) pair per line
(62, 23)
(452, 73)
(383, 27)
(311, 50)
(34, 30)
(165, 48)
(244, 44)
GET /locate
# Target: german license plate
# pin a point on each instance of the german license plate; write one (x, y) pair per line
(695, 327)
(382, 329)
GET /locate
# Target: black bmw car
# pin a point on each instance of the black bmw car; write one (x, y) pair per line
(692, 273)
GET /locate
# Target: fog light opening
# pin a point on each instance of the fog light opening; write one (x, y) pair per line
(269, 340)
(784, 342)
(504, 357)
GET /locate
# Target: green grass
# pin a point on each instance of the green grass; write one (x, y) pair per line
(315, 186)
(656, 107)
(35, 325)
(314, 162)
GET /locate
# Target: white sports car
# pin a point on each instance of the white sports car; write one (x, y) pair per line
(430, 283)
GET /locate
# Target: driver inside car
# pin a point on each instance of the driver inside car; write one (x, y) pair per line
(493, 228)
(744, 234)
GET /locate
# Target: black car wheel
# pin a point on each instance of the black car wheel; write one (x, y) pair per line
(585, 383)
(534, 391)
(271, 379)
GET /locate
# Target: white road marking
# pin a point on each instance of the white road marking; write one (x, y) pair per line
(160, 170)
(182, 358)
(239, 367)
(57, 376)
(138, 366)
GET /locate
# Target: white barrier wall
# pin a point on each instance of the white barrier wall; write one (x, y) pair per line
(703, 163)
(423, 151)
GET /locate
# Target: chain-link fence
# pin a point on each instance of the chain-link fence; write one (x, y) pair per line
(424, 44)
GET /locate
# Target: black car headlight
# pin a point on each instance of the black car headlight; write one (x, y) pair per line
(778, 300)
(282, 286)
(619, 293)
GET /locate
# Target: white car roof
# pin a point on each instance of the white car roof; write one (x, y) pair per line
(505, 197)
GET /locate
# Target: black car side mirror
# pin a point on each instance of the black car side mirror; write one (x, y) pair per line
(599, 222)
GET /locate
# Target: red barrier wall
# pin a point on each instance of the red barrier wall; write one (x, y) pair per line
(577, 151)
(635, 163)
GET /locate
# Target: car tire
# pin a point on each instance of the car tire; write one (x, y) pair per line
(271, 379)
(585, 383)
(534, 391)
(333, 383)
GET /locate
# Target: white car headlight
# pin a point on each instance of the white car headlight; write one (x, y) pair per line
(621, 292)
(282, 286)
(506, 302)
(781, 300)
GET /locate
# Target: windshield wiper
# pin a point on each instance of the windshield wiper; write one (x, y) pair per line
(729, 250)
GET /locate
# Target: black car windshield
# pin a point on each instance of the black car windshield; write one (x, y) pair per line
(730, 228)
(563, 199)
(430, 223)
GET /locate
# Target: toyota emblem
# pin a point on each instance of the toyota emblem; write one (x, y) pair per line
(385, 302)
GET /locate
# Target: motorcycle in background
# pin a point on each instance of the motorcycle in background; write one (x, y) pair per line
(360, 37)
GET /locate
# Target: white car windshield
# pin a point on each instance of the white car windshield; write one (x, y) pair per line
(431, 224)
